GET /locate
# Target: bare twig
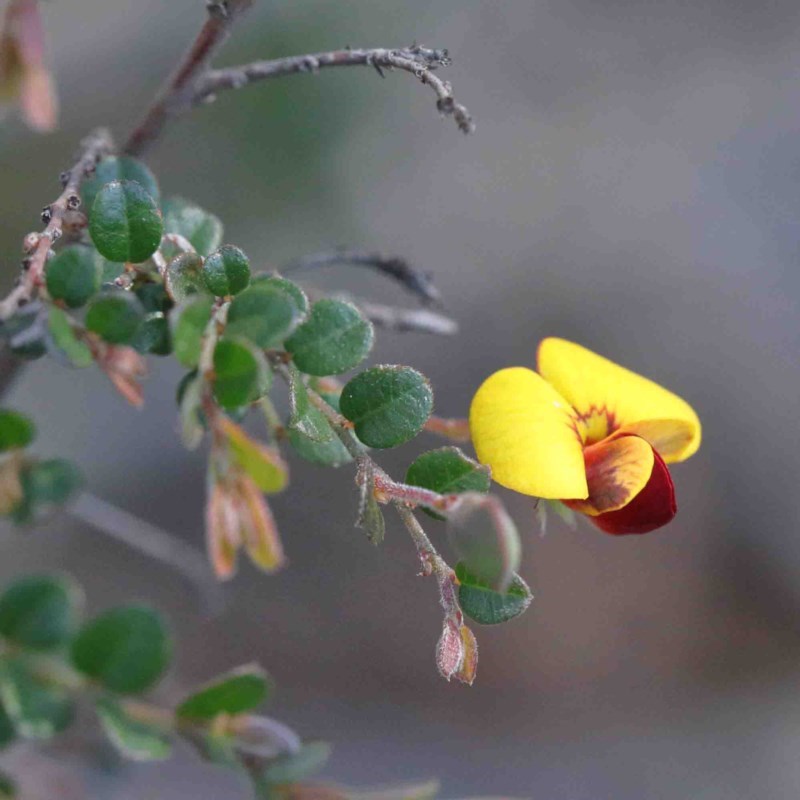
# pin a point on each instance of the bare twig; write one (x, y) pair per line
(404, 320)
(416, 281)
(418, 61)
(154, 542)
(37, 245)
(180, 91)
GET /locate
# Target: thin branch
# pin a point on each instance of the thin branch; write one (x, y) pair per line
(404, 320)
(455, 429)
(418, 61)
(37, 245)
(153, 542)
(180, 91)
(416, 281)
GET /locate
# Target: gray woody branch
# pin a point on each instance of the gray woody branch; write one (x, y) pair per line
(418, 61)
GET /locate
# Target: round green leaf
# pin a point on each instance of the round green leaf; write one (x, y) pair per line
(125, 223)
(63, 340)
(237, 691)
(448, 471)
(152, 335)
(240, 373)
(184, 276)
(333, 339)
(331, 453)
(122, 168)
(74, 275)
(388, 405)
(486, 606)
(275, 281)
(134, 739)
(50, 482)
(263, 315)
(40, 611)
(38, 710)
(16, 430)
(126, 649)
(202, 229)
(25, 335)
(226, 271)
(115, 316)
(189, 321)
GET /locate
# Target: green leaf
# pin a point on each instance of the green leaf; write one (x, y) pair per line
(64, 339)
(125, 223)
(309, 760)
(122, 168)
(226, 271)
(40, 612)
(74, 275)
(184, 277)
(126, 649)
(263, 464)
(485, 538)
(327, 450)
(45, 484)
(38, 711)
(115, 316)
(333, 339)
(302, 418)
(237, 691)
(190, 395)
(201, 228)
(136, 740)
(16, 430)
(152, 335)
(189, 321)
(241, 374)
(388, 405)
(448, 471)
(487, 606)
(297, 295)
(263, 315)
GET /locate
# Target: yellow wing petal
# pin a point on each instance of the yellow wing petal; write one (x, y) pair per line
(592, 383)
(524, 430)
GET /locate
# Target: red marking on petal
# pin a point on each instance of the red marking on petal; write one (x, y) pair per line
(652, 508)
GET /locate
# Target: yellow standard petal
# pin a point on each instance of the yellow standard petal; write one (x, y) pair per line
(524, 430)
(599, 389)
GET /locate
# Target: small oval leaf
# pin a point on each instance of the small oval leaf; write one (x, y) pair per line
(263, 315)
(126, 649)
(241, 375)
(388, 405)
(40, 612)
(239, 690)
(200, 228)
(226, 271)
(487, 606)
(189, 321)
(74, 275)
(334, 338)
(125, 223)
(115, 316)
(16, 430)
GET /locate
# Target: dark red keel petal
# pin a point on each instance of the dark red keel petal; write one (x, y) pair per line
(653, 507)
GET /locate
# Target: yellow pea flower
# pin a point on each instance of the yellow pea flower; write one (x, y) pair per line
(585, 431)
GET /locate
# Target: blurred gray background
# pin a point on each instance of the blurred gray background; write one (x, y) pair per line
(633, 184)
